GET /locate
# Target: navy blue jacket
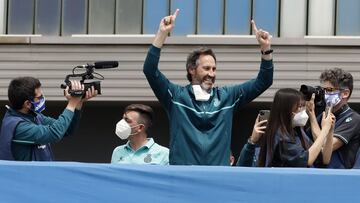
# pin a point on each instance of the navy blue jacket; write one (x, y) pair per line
(10, 122)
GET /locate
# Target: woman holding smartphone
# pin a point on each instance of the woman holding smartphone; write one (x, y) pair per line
(285, 143)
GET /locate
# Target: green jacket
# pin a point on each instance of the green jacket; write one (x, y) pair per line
(51, 130)
(200, 131)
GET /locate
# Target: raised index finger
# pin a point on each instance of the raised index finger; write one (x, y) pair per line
(176, 13)
(329, 111)
(255, 30)
(312, 97)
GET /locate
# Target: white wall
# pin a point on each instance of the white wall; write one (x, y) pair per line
(321, 17)
(3, 9)
(293, 18)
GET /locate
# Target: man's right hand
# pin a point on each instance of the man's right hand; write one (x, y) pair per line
(73, 101)
(166, 25)
(168, 22)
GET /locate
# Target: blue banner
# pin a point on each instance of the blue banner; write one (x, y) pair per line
(84, 182)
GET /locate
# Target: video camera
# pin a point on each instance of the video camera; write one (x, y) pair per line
(317, 90)
(88, 75)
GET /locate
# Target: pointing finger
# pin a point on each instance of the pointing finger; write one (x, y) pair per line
(254, 28)
(313, 97)
(330, 110)
(176, 13)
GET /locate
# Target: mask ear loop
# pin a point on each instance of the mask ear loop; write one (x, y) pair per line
(135, 127)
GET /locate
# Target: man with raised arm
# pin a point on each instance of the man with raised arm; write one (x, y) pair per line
(200, 114)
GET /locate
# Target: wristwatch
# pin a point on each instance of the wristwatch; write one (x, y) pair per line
(267, 52)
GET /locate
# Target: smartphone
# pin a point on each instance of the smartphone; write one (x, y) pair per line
(264, 115)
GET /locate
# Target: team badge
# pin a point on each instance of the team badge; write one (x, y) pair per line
(148, 158)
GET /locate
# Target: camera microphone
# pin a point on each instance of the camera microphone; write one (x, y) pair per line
(88, 75)
(101, 65)
(106, 64)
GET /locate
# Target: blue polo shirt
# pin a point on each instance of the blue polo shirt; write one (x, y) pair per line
(200, 131)
(150, 153)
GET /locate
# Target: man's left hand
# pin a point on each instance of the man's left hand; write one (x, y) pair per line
(262, 36)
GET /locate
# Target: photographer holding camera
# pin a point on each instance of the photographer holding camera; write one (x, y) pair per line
(26, 133)
(338, 85)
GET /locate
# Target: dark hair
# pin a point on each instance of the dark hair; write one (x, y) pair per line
(338, 78)
(146, 113)
(193, 57)
(22, 89)
(285, 100)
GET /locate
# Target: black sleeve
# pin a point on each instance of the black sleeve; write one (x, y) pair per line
(246, 157)
(293, 154)
(347, 129)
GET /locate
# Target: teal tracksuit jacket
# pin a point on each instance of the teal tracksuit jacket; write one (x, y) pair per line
(200, 131)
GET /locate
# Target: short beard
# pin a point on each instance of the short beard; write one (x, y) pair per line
(204, 87)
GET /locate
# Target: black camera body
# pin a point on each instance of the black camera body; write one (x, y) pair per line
(81, 93)
(317, 90)
(88, 75)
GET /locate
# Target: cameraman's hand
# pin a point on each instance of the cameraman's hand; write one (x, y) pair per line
(90, 93)
(72, 100)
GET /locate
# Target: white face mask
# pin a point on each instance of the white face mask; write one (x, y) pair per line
(300, 119)
(200, 94)
(123, 129)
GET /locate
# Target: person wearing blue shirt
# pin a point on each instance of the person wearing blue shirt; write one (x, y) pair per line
(285, 142)
(139, 149)
(26, 134)
(200, 114)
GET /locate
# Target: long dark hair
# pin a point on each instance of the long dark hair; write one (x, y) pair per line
(285, 102)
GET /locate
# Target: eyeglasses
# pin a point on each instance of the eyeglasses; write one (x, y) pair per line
(331, 89)
(38, 98)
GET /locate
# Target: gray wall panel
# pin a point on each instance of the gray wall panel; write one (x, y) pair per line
(294, 65)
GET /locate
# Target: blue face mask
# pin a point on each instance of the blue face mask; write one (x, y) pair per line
(332, 99)
(38, 106)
